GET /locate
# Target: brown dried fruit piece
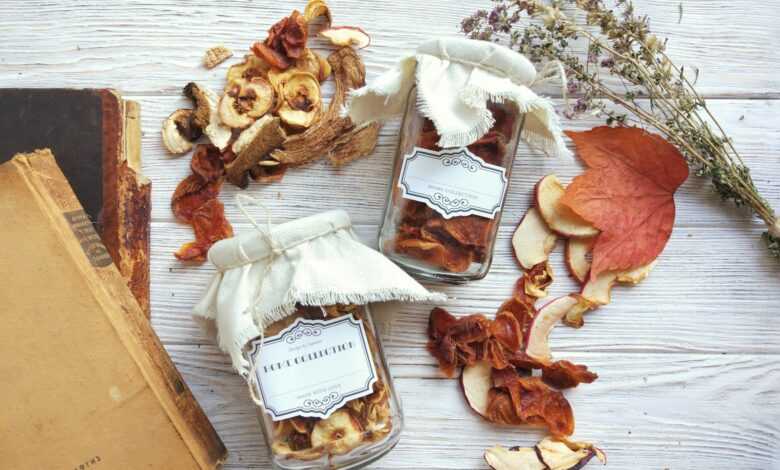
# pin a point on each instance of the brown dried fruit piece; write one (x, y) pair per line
(192, 193)
(313, 63)
(285, 42)
(210, 226)
(564, 374)
(356, 143)
(252, 145)
(530, 401)
(268, 174)
(319, 139)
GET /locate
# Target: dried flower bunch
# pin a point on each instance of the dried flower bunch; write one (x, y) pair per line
(651, 90)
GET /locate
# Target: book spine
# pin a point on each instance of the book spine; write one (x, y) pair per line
(134, 329)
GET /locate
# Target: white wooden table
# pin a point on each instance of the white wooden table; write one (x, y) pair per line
(689, 361)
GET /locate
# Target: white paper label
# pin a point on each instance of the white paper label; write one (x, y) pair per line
(453, 182)
(313, 367)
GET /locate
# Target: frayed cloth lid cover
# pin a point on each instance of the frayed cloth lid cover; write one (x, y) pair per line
(455, 79)
(316, 260)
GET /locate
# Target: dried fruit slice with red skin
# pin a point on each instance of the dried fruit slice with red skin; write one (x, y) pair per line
(548, 193)
(635, 276)
(272, 57)
(564, 374)
(476, 381)
(576, 257)
(537, 344)
(347, 36)
(598, 291)
(192, 193)
(506, 330)
(532, 241)
(567, 455)
(288, 36)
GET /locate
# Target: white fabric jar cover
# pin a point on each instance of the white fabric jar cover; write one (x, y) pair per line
(455, 79)
(316, 260)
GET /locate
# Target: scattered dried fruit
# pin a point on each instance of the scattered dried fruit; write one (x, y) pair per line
(206, 115)
(549, 454)
(216, 55)
(532, 241)
(178, 132)
(347, 36)
(627, 193)
(192, 193)
(246, 100)
(207, 162)
(559, 218)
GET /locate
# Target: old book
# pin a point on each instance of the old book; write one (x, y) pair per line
(85, 380)
(95, 135)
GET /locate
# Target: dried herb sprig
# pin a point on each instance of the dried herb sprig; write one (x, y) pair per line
(645, 83)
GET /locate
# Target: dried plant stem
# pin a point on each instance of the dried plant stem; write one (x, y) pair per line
(620, 43)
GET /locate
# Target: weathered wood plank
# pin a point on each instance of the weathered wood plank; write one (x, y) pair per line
(156, 46)
(652, 411)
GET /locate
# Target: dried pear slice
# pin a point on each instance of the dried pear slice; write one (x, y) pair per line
(251, 67)
(246, 100)
(340, 433)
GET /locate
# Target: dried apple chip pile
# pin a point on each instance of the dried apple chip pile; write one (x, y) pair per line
(269, 116)
(616, 218)
(496, 359)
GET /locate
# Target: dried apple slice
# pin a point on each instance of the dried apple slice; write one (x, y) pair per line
(244, 101)
(317, 8)
(516, 458)
(537, 343)
(598, 291)
(302, 101)
(476, 381)
(574, 316)
(567, 455)
(559, 218)
(312, 63)
(251, 67)
(532, 241)
(340, 433)
(576, 256)
(347, 36)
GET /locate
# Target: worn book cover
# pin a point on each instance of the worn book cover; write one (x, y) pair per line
(85, 380)
(95, 135)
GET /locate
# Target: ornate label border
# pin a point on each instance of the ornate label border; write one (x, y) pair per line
(326, 405)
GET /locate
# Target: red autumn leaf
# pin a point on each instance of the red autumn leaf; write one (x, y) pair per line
(627, 192)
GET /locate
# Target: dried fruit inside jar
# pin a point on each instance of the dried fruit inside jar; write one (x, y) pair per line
(360, 429)
(444, 205)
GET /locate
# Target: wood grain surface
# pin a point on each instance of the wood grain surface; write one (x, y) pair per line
(689, 361)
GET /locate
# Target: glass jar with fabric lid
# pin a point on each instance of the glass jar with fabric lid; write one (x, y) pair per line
(465, 104)
(291, 306)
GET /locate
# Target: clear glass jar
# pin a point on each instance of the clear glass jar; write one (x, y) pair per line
(359, 431)
(444, 205)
